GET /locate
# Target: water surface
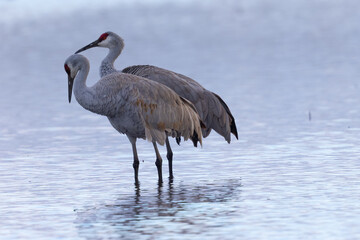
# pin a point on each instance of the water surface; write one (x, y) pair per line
(288, 71)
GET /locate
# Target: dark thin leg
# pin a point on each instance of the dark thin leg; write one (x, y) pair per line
(136, 162)
(158, 162)
(169, 156)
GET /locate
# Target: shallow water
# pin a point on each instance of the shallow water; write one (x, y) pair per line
(288, 71)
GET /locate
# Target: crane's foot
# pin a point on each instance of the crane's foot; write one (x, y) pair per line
(136, 172)
(158, 164)
(171, 181)
(171, 175)
(169, 156)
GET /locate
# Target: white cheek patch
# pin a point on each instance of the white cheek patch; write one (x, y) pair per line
(104, 42)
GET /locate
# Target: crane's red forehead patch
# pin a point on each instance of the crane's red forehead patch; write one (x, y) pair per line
(67, 69)
(103, 36)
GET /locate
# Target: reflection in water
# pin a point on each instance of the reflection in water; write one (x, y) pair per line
(174, 207)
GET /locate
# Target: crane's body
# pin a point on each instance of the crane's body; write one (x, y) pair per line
(213, 111)
(135, 106)
(211, 108)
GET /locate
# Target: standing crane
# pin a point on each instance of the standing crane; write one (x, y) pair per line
(135, 106)
(213, 111)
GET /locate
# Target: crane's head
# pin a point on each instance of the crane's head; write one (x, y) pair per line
(72, 66)
(107, 40)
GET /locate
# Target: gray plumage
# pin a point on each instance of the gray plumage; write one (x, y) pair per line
(135, 106)
(213, 111)
(211, 108)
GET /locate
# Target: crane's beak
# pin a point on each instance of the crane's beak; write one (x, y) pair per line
(91, 45)
(70, 82)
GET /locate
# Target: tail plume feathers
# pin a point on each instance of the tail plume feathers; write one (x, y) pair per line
(233, 128)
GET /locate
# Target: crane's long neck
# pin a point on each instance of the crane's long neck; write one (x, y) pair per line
(86, 96)
(107, 65)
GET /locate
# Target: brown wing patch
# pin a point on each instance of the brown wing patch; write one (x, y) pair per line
(161, 126)
(176, 125)
(139, 102)
(146, 107)
(152, 107)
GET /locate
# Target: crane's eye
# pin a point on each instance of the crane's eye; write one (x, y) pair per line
(67, 69)
(103, 36)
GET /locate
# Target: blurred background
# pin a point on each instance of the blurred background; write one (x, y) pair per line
(288, 70)
(297, 54)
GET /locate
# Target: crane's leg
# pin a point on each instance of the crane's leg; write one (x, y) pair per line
(169, 156)
(158, 162)
(136, 162)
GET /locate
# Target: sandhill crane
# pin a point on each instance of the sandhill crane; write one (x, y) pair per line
(135, 106)
(212, 110)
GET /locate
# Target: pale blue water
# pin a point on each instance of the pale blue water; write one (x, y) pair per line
(289, 72)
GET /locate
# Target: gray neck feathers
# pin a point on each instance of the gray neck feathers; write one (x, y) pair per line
(107, 65)
(86, 96)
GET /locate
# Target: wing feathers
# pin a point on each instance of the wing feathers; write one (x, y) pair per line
(212, 110)
(165, 113)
